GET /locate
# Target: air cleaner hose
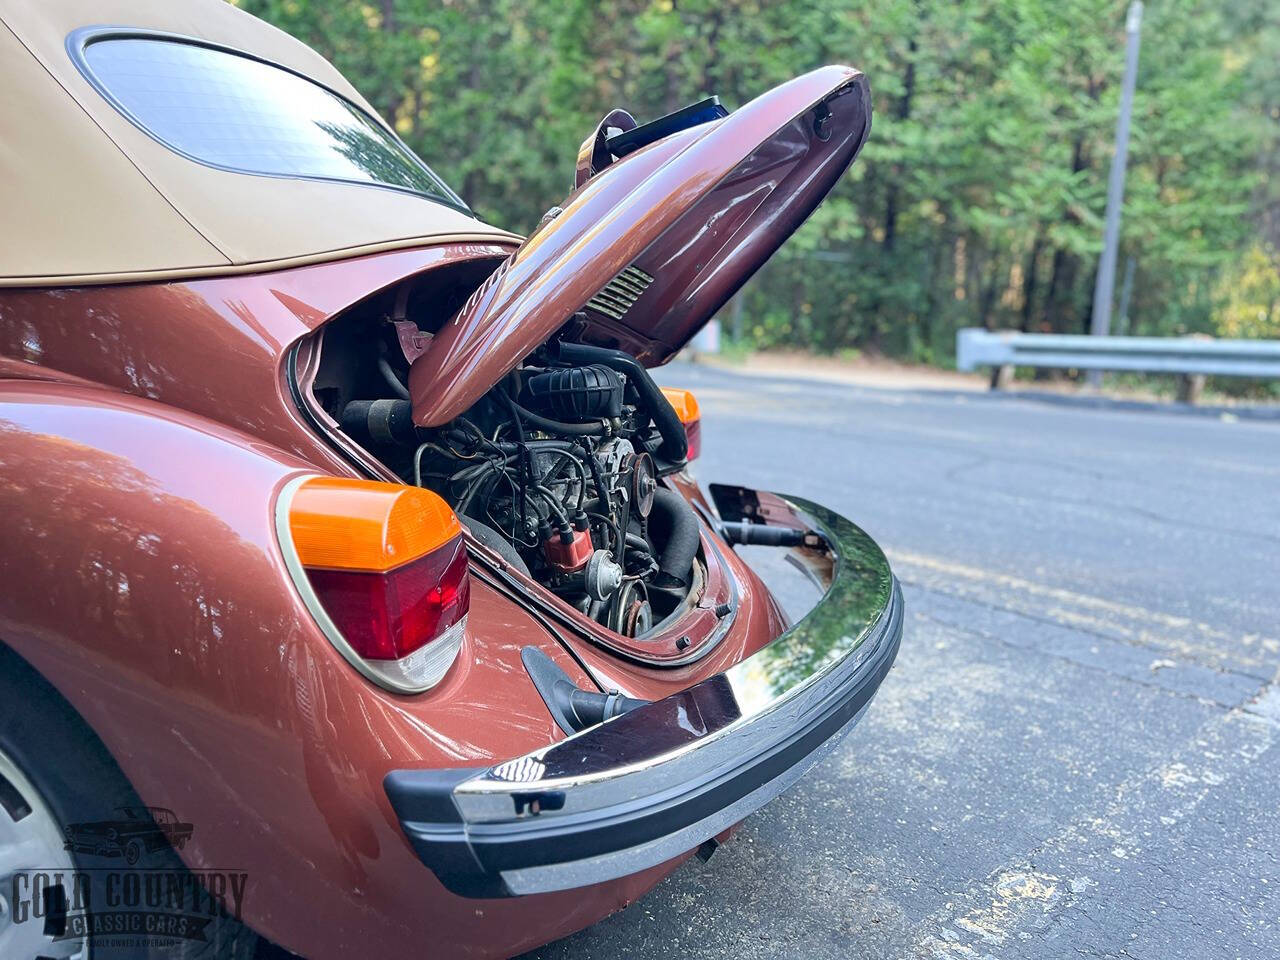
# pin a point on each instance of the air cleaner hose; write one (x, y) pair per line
(675, 445)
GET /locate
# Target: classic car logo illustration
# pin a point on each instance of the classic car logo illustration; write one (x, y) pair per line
(133, 902)
(138, 831)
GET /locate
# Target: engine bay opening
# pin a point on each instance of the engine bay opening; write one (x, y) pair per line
(557, 468)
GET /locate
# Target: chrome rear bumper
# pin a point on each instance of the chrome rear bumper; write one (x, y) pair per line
(654, 783)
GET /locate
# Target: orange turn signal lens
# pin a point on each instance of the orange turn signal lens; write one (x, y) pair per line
(345, 524)
(685, 404)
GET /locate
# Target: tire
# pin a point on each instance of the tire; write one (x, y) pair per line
(60, 770)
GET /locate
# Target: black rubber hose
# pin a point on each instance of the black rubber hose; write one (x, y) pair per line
(760, 534)
(636, 542)
(587, 708)
(381, 421)
(572, 708)
(496, 542)
(393, 381)
(536, 445)
(682, 538)
(556, 426)
(675, 445)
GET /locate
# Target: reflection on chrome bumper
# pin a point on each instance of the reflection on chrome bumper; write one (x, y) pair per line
(654, 783)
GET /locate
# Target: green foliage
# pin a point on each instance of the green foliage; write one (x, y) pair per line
(1251, 297)
(979, 198)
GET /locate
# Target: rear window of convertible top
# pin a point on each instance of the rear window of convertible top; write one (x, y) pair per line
(237, 113)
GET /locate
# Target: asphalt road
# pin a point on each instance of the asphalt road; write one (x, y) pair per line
(1076, 753)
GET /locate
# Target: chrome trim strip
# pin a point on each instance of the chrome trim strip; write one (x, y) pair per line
(614, 301)
(580, 873)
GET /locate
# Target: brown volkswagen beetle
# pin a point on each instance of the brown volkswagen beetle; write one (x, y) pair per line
(353, 532)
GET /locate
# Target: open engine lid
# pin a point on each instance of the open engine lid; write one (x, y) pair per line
(647, 250)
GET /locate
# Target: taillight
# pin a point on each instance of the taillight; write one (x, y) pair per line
(383, 568)
(685, 404)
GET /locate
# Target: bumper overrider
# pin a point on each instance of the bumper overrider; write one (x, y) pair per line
(656, 782)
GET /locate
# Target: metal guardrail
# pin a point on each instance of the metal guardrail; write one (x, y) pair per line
(1192, 358)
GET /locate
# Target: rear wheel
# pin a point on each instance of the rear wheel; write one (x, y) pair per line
(54, 772)
(34, 871)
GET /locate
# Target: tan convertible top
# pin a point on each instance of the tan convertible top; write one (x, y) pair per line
(88, 197)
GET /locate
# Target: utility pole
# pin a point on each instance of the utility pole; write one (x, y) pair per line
(1106, 282)
(1126, 291)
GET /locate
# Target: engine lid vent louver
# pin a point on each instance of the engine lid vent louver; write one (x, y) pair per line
(619, 295)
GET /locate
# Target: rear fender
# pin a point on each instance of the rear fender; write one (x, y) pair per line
(141, 576)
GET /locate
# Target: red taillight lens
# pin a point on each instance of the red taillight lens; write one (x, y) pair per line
(387, 616)
(383, 568)
(693, 432)
(685, 404)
